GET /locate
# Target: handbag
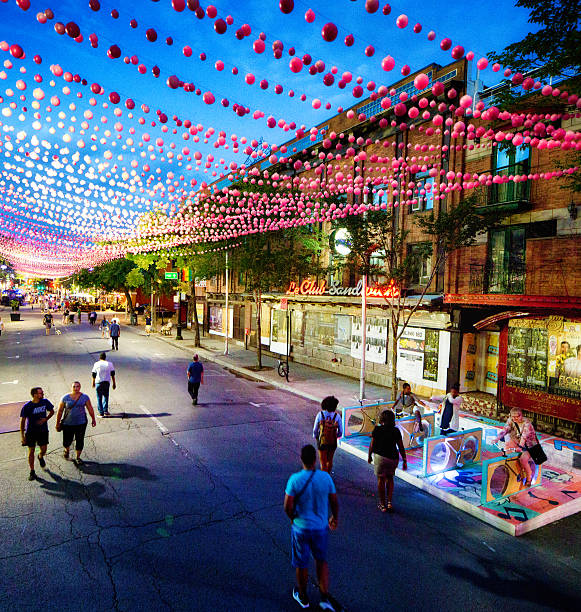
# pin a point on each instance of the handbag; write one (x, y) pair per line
(66, 413)
(536, 452)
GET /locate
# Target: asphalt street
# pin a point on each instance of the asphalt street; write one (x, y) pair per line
(179, 507)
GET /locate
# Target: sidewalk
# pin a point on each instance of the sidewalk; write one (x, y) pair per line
(305, 381)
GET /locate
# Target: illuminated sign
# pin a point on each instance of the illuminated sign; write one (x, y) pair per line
(309, 287)
(171, 276)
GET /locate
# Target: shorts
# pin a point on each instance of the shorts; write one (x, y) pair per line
(327, 447)
(384, 466)
(36, 437)
(305, 542)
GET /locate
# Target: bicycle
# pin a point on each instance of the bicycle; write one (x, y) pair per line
(445, 456)
(283, 369)
(503, 475)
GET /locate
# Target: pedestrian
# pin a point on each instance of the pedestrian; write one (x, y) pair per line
(71, 419)
(104, 327)
(79, 313)
(385, 441)
(147, 324)
(92, 318)
(114, 332)
(71, 317)
(65, 316)
(34, 417)
(450, 406)
(195, 374)
(47, 322)
(521, 437)
(405, 401)
(309, 495)
(103, 374)
(327, 429)
(1, 326)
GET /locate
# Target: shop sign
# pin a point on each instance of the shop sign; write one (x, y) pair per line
(284, 303)
(309, 287)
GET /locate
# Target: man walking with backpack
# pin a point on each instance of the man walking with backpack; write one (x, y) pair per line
(327, 429)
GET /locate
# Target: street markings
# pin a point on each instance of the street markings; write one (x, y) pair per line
(10, 382)
(255, 405)
(164, 430)
(14, 357)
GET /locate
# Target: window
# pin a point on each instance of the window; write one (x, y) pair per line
(507, 260)
(380, 195)
(511, 160)
(423, 197)
(421, 259)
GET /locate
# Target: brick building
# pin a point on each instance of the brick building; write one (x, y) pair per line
(527, 270)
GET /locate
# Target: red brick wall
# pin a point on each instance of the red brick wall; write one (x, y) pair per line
(554, 266)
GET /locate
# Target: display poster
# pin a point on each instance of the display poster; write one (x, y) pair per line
(423, 356)
(490, 383)
(376, 339)
(265, 324)
(342, 334)
(218, 321)
(545, 355)
(278, 331)
(200, 311)
(468, 363)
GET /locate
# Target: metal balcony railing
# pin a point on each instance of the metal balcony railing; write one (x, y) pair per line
(484, 278)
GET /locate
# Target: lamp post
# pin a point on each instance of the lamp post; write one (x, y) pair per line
(227, 317)
(179, 325)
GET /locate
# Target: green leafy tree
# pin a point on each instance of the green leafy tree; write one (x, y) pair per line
(377, 233)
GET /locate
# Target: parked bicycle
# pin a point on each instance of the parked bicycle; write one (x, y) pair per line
(283, 369)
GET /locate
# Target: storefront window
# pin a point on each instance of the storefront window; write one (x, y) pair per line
(325, 331)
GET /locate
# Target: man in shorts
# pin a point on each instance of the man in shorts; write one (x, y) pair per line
(34, 417)
(309, 495)
(47, 322)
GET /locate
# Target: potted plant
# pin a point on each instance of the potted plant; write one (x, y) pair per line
(15, 315)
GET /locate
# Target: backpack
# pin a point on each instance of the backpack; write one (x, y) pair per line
(328, 428)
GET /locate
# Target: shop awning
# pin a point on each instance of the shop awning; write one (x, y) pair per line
(499, 316)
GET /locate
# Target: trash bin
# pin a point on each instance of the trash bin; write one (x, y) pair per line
(133, 319)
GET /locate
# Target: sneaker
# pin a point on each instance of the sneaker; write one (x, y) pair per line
(107, 414)
(41, 461)
(195, 402)
(79, 461)
(302, 601)
(100, 416)
(327, 604)
(32, 475)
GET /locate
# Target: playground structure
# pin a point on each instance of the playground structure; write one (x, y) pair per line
(466, 471)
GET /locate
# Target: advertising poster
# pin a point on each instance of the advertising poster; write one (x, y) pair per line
(376, 339)
(468, 363)
(410, 354)
(278, 331)
(218, 321)
(490, 384)
(265, 324)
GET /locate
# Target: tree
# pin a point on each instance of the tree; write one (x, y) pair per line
(377, 232)
(270, 260)
(554, 50)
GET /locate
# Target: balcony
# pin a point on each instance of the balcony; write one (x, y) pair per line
(507, 196)
(485, 279)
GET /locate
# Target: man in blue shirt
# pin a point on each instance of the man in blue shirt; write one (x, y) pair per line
(34, 417)
(309, 495)
(195, 374)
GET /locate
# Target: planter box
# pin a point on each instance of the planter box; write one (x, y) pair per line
(15, 316)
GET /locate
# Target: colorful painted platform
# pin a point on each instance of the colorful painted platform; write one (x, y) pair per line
(557, 495)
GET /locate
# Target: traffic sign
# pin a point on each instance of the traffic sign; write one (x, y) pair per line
(171, 276)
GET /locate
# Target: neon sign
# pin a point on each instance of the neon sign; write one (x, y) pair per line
(310, 287)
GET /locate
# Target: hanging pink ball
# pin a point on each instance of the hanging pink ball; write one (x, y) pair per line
(259, 46)
(470, 56)
(203, 57)
(369, 51)
(349, 40)
(388, 63)
(431, 35)
(405, 70)
(329, 32)
(220, 26)
(371, 6)
(16, 51)
(357, 91)
(114, 52)
(421, 81)
(151, 35)
(219, 65)
(482, 63)
(418, 28)
(438, 88)
(296, 64)
(458, 52)
(402, 21)
(286, 6)
(466, 101)
(310, 16)
(187, 51)
(211, 11)
(495, 67)
(23, 4)
(316, 103)
(178, 5)
(250, 78)
(445, 44)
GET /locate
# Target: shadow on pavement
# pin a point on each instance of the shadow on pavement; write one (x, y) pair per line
(74, 491)
(116, 471)
(521, 588)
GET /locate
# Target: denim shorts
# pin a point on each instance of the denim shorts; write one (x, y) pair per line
(305, 542)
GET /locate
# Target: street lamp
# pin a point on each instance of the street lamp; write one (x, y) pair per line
(179, 325)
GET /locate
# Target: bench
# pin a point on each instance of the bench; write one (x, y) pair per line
(166, 329)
